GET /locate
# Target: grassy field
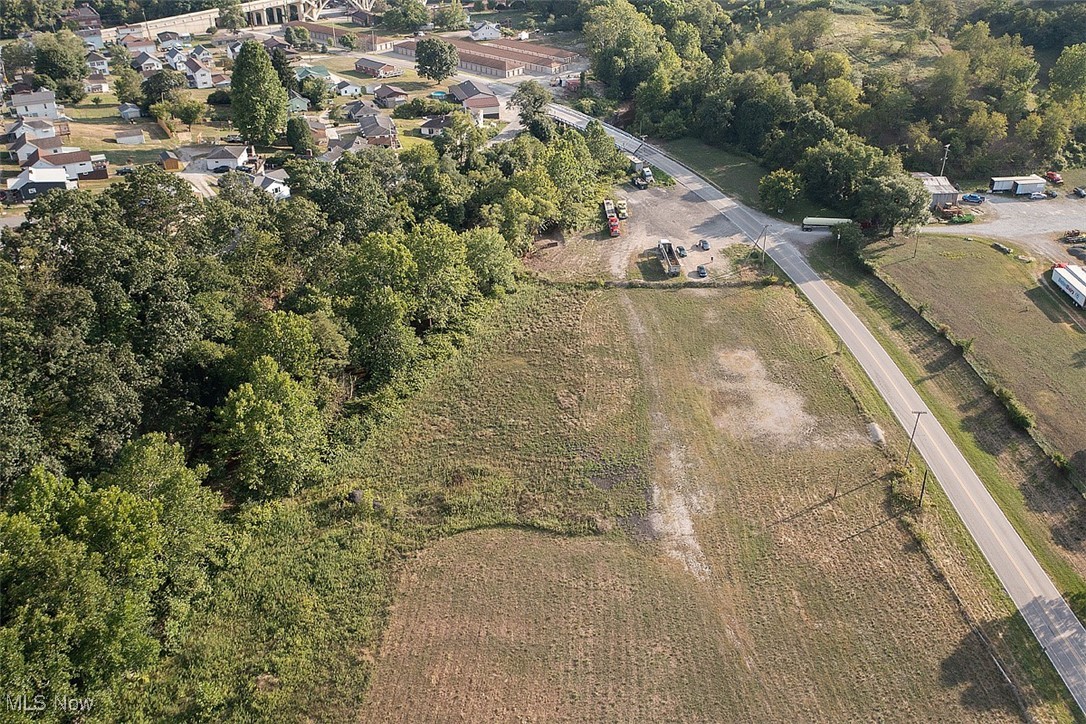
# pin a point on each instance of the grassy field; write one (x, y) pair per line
(746, 586)
(1043, 506)
(735, 175)
(1024, 332)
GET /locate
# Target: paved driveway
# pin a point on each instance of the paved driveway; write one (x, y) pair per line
(1032, 226)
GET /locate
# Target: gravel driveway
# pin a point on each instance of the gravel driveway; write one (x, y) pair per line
(1032, 226)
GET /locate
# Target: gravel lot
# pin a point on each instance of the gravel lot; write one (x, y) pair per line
(1032, 226)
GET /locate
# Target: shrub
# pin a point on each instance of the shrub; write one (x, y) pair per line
(418, 107)
(1019, 413)
(219, 98)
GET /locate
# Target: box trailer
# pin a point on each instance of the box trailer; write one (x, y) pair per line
(1017, 185)
(669, 259)
(1072, 280)
(810, 223)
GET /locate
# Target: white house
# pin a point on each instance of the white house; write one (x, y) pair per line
(228, 156)
(97, 62)
(274, 183)
(146, 62)
(486, 31)
(74, 163)
(96, 83)
(202, 54)
(24, 147)
(348, 88)
(39, 104)
(176, 60)
(136, 44)
(31, 128)
(233, 49)
(33, 182)
(435, 126)
(198, 73)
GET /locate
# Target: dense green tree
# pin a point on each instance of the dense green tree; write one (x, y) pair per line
(60, 56)
(1068, 75)
(531, 100)
(281, 63)
(443, 279)
(128, 86)
(890, 201)
(189, 111)
(269, 435)
(834, 169)
(405, 15)
(230, 15)
(777, 190)
(450, 16)
(489, 259)
(19, 56)
(435, 59)
(285, 337)
(300, 136)
(317, 91)
(258, 99)
(163, 87)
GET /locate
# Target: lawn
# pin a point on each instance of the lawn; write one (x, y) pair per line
(1026, 333)
(735, 175)
(732, 593)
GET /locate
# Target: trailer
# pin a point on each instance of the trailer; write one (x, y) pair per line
(1072, 280)
(669, 259)
(810, 223)
(1017, 185)
(609, 208)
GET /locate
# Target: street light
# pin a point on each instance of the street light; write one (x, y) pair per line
(908, 452)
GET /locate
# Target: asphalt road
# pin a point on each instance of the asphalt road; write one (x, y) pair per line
(1057, 629)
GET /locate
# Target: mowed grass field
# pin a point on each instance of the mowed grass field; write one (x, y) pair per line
(729, 582)
(1025, 333)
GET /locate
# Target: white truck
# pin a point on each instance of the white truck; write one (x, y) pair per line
(621, 209)
(669, 259)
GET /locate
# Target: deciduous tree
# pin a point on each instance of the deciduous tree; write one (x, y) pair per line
(258, 99)
(436, 59)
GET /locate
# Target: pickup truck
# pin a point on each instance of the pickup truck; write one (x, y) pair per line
(669, 259)
(621, 209)
(646, 173)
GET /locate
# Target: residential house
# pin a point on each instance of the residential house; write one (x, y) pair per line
(97, 62)
(129, 137)
(347, 88)
(129, 111)
(370, 43)
(96, 83)
(199, 75)
(145, 62)
(273, 43)
(137, 44)
(23, 148)
(220, 80)
(202, 54)
(378, 131)
(273, 182)
(39, 104)
(313, 71)
(477, 99)
(83, 17)
(485, 31)
(77, 164)
(359, 109)
(376, 68)
(228, 156)
(322, 132)
(296, 102)
(30, 128)
(170, 161)
(176, 59)
(389, 96)
(169, 40)
(35, 182)
(233, 49)
(435, 126)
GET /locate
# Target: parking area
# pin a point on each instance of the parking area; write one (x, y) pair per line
(1032, 226)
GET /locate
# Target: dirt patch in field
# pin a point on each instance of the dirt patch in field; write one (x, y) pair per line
(753, 406)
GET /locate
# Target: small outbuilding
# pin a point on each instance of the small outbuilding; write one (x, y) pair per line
(129, 137)
(940, 189)
(170, 161)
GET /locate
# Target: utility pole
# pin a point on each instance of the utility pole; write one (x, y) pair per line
(946, 152)
(923, 487)
(916, 242)
(908, 452)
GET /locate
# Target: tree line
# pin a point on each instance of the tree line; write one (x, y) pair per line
(839, 132)
(168, 362)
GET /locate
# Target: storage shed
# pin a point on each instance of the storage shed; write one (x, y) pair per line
(941, 190)
(1017, 185)
(1072, 280)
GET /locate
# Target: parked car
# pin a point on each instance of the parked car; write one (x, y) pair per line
(125, 170)
(704, 244)
(220, 169)
(245, 169)
(680, 250)
(973, 199)
(1080, 191)
(235, 138)
(702, 271)
(1051, 194)
(1053, 177)
(1038, 196)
